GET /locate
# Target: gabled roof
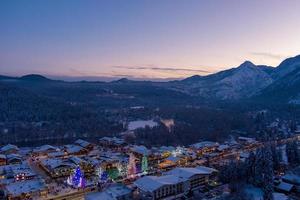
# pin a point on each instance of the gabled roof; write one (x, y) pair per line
(9, 147)
(140, 149)
(204, 144)
(45, 147)
(73, 149)
(82, 143)
(53, 163)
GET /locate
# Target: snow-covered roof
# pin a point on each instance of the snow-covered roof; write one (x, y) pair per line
(53, 163)
(186, 173)
(173, 159)
(204, 144)
(16, 169)
(285, 187)
(114, 192)
(206, 170)
(140, 149)
(9, 147)
(11, 157)
(17, 188)
(244, 155)
(82, 143)
(99, 195)
(56, 154)
(167, 148)
(279, 196)
(45, 147)
(247, 139)
(152, 183)
(76, 160)
(2, 156)
(223, 147)
(292, 178)
(71, 149)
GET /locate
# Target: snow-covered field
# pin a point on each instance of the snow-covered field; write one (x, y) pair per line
(133, 125)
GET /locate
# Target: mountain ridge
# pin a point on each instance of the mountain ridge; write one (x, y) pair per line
(247, 81)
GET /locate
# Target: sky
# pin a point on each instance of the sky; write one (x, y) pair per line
(144, 39)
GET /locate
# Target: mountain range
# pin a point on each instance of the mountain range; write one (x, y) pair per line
(247, 81)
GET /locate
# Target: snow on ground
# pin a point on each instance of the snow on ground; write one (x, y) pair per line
(133, 125)
(254, 192)
(279, 196)
(257, 193)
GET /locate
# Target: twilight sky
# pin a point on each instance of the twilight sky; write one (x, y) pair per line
(148, 39)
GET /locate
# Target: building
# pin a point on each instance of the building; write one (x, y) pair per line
(75, 150)
(9, 149)
(30, 189)
(57, 167)
(84, 144)
(204, 147)
(196, 178)
(160, 187)
(113, 143)
(17, 172)
(2, 159)
(172, 161)
(13, 159)
(44, 150)
(114, 192)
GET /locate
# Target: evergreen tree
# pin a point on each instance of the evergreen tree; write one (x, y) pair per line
(144, 164)
(276, 157)
(292, 153)
(267, 173)
(250, 167)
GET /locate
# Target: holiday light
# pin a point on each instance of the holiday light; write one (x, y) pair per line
(76, 179)
(131, 169)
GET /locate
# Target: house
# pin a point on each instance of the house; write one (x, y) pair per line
(204, 147)
(45, 150)
(139, 150)
(26, 189)
(84, 144)
(112, 143)
(246, 140)
(9, 149)
(13, 159)
(57, 167)
(196, 178)
(211, 172)
(17, 172)
(86, 166)
(2, 159)
(160, 187)
(75, 150)
(284, 187)
(114, 192)
(172, 161)
(292, 179)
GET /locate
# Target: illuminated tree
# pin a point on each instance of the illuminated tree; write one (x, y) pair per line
(113, 173)
(76, 179)
(144, 164)
(131, 169)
